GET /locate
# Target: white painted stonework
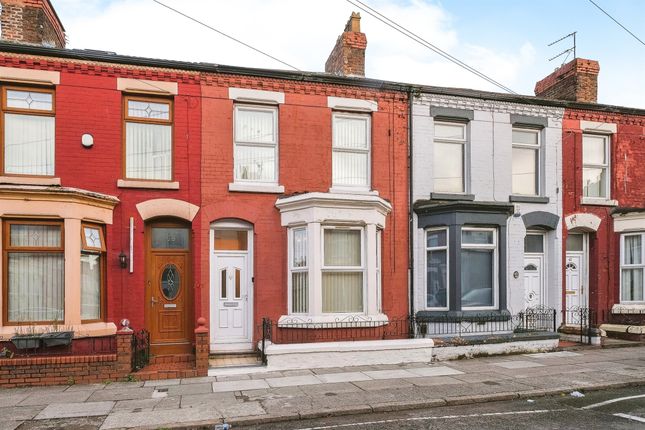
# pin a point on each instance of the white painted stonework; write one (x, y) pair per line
(629, 222)
(445, 353)
(342, 103)
(255, 96)
(582, 222)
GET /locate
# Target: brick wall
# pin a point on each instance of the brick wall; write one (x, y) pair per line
(348, 56)
(575, 81)
(31, 21)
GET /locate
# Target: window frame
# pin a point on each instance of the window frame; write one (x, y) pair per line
(126, 118)
(275, 145)
(29, 112)
(623, 266)
(379, 270)
(538, 158)
(465, 177)
(606, 166)
(7, 248)
(344, 269)
(445, 248)
(303, 269)
(495, 272)
(334, 149)
(102, 252)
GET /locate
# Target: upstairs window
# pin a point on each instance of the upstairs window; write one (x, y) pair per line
(351, 151)
(29, 132)
(526, 162)
(449, 157)
(256, 144)
(148, 139)
(595, 169)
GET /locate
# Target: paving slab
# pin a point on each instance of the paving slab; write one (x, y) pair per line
(429, 381)
(199, 380)
(73, 410)
(329, 389)
(555, 354)
(519, 364)
(168, 403)
(49, 398)
(124, 393)
(482, 377)
(343, 377)
(120, 420)
(250, 384)
(8, 398)
(435, 371)
(80, 423)
(162, 383)
(390, 374)
(16, 413)
(179, 390)
(10, 425)
(211, 400)
(241, 409)
(382, 384)
(290, 381)
(143, 405)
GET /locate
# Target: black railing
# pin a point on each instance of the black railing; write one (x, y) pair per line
(581, 320)
(140, 349)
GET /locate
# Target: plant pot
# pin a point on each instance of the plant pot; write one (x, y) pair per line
(61, 338)
(26, 342)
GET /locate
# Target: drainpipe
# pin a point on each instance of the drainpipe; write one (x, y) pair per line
(410, 215)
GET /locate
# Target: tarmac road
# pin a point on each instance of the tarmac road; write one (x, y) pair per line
(611, 409)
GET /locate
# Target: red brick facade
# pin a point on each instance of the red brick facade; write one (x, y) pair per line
(32, 22)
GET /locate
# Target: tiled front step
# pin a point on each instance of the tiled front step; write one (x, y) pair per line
(177, 358)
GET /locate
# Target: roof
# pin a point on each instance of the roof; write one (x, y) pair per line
(111, 57)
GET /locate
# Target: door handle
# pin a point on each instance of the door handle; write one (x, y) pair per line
(153, 300)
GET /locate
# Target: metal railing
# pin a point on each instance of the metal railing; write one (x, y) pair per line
(583, 320)
(140, 349)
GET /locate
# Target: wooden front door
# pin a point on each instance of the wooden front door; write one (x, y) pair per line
(168, 289)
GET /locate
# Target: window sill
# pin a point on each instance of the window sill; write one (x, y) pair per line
(95, 329)
(527, 199)
(628, 308)
(347, 190)
(29, 180)
(450, 196)
(594, 201)
(156, 185)
(332, 321)
(255, 188)
(456, 316)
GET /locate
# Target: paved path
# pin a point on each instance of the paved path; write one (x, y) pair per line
(258, 396)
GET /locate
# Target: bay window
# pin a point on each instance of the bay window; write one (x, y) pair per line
(526, 162)
(478, 267)
(343, 270)
(148, 138)
(256, 144)
(92, 272)
(351, 151)
(299, 271)
(437, 268)
(449, 157)
(28, 131)
(632, 265)
(595, 169)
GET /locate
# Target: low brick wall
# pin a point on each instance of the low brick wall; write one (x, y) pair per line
(73, 369)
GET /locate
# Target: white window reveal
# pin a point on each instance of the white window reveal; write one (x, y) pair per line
(526, 162)
(343, 270)
(478, 268)
(351, 151)
(256, 144)
(437, 268)
(449, 157)
(595, 170)
(299, 271)
(632, 264)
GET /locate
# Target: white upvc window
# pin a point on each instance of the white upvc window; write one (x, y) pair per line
(526, 162)
(343, 270)
(595, 169)
(479, 268)
(379, 274)
(255, 135)
(632, 266)
(437, 278)
(449, 173)
(351, 151)
(298, 271)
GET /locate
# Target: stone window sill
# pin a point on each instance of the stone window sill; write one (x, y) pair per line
(255, 188)
(528, 199)
(450, 196)
(594, 201)
(95, 329)
(29, 180)
(628, 308)
(156, 185)
(329, 321)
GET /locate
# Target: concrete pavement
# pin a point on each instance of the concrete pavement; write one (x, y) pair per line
(252, 395)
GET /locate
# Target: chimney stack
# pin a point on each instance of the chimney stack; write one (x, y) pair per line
(348, 56)
(31, 22)
(575, 81)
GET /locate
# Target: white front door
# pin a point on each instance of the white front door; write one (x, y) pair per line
(574, 284)
(533, 281)
(231, 299)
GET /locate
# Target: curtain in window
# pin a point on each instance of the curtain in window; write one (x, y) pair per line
(632, 250)
(148, 151)
(36, 286)
(349, 168)
(342, 248)
(90, 286)
(632, 285)
(254, 126)
(255, 163)
(476, 277)
(29, 145)
(30, 235)
(351, 148)
(448, 167)
(342, 292)
(299, 274)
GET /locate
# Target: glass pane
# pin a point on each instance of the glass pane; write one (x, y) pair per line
(170, 238)
(90, 286)
(92, 237)
(299, 252)
(632, 253)
(534, 243)
(29, 145)
(300, 292)
(30, 100)
(525, 167)
(231, 240)
(574, 242)
(36, 287)
(448, 167)
(148, 110)
(351, 133)
(349, 168)
(437, 288)
(436, 238)
(593, 182)
(170, 282)
(223, 293)
(35, 235)
(342, 247)
(632, 285)
(254, 126)
(238, 284)
(477, 237)
(593, 150)
(525, 137)
(476, 277)
(148, 150)
(450, 131)
(255, 163)
(342, 292)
